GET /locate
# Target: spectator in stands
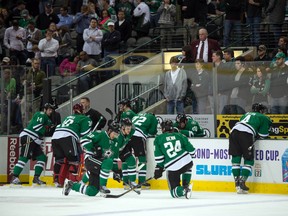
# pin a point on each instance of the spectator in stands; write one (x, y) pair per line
(279, 86)
(16, 11)
(142, 14)
(65, 44)
(103, 24)
(81, 21)
(48, 47)
(124, 27)
(126, 7)
(42, 5)
(154, 15)
(201, 9)
(25, 19)
(167, 20)
(93, 114)
(5, 61)
(44, 19)
(200, 86)
(276, 14)
(111, 40)
(223, 82)
(2, 33)
(93, 37)
(14, 40)
(232, 22)
(240, 84)
(4, 14)
(65, 19)
(253, 12)
(32, 85)
(55, 33)
(84, 65)
(34, 35)
(260, 85)
(175, 86)
(188, 15)
(68, 66)
(9, 94)
(112, 13)
(262, 58)
(203, 48)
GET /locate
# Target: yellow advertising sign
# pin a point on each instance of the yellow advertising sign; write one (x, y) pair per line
(279, 125)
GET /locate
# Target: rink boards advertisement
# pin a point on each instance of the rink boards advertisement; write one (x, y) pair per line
(279, 128)
(211, 170)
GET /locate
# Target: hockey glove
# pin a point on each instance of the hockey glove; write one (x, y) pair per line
(117, 175)
(158, 172)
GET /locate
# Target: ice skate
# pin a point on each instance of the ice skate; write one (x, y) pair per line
(145, 186)
(104, 190)
(188, 191)
(126, 186)
(15, 182)
(67, 187)
(135, 186)
(37, 181)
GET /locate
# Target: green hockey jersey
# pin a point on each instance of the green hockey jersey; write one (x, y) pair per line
(191, 129)
(145, 125)
(124, 139)
(128, 114)
(255, 123)
(76, 125)
(37, 127)
(173, 151)
(99, 145)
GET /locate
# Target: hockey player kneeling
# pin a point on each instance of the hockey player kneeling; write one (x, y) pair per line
(174, 152)
(100, 149)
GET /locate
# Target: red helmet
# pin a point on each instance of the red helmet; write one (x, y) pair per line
(78, 108)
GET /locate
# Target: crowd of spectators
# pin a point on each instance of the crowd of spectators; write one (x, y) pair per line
(40, 32)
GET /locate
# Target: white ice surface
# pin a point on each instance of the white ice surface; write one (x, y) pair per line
(40, 201)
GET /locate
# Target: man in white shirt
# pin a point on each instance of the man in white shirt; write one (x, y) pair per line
(48, 47)
(92, 37)
(142, 12)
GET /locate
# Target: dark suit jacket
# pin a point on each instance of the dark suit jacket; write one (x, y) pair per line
(212, 46)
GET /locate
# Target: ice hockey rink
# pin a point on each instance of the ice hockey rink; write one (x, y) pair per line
(29, 200)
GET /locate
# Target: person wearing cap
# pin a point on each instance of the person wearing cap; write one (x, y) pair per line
(279, 85)
(92, 37)
(25, 18)
(111, 40)
(262, 57)
(44, 19)
(14, 40)
(5, 61)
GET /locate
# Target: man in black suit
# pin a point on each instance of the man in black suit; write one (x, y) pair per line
(203, 47)
(124, 27)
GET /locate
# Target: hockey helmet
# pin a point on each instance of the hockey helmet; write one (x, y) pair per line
(258, 107)
(125, 122)
(114, 126)
(167, 126)
(181, 118)
(78, 108)
(49, 105)
(125, 101)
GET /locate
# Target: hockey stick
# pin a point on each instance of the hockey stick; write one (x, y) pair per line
(101, 117)
(131, 189)
(136, 191)
(110, 112)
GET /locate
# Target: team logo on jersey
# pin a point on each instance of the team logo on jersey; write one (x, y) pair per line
(108, 153)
